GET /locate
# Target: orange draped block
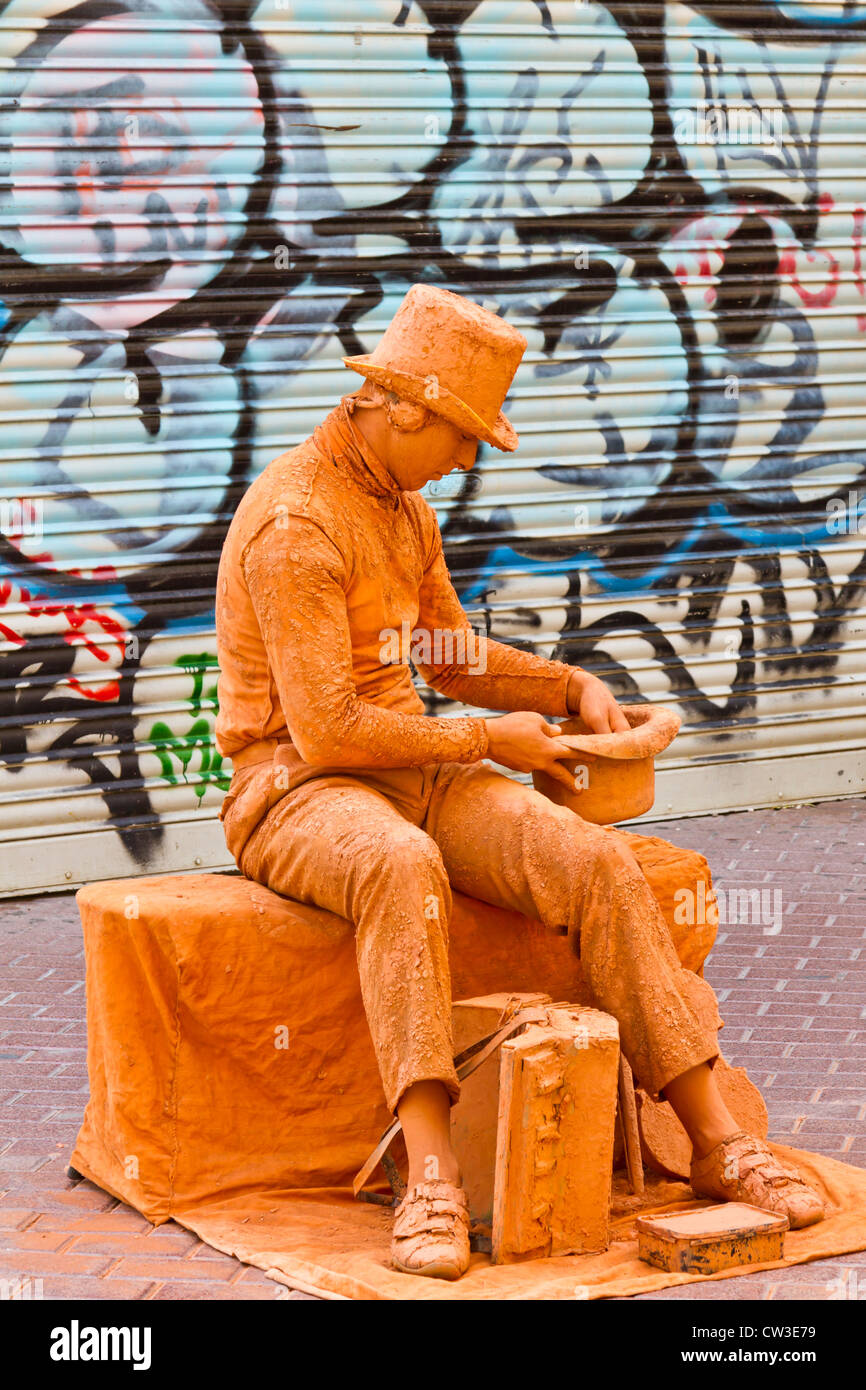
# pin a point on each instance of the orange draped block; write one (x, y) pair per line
(227, 1044)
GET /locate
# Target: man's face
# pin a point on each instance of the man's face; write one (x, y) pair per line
(419, 456)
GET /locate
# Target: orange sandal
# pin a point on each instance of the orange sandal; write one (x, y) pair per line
(743, 1169)
(431, 1231)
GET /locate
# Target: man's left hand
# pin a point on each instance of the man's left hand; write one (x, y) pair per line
(590, 698)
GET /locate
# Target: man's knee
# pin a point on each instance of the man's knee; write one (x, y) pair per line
(613, 879)
(608, 856)
(408, 866)
(414, 856)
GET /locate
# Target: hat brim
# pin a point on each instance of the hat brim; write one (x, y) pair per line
(653, 727)
(440, 400)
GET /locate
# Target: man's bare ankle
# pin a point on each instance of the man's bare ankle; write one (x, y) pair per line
(436, 1170)
(704, 1143)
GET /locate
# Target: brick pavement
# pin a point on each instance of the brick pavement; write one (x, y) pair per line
(794, 1003)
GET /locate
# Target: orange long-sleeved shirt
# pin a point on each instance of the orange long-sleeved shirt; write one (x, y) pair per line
(326, 567)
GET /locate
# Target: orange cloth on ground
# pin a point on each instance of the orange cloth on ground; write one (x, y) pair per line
(198, 1112)
(325, 557)
(324, 1243)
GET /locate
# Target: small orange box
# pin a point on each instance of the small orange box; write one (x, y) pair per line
(708, 1239)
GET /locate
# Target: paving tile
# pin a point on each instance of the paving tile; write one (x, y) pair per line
(136, 1244)
(32, 1238)
(46, 1262)
(155, 1267)
(83, 1288)
(16, 1218)
(229, 1292)
(114, 1221)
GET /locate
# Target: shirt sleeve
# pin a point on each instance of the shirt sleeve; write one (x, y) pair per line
(296, 577)
(471, 667)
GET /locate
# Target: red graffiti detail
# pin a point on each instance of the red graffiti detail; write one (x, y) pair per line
(704, 271)
(814, 299)
(8, 632)
(77, 616)
(109, 691)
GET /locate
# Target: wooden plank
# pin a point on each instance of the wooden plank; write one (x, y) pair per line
(629, 1126)
(555, 1137)
(475, 1116)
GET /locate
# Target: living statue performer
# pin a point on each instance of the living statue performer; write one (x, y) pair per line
(374, 810)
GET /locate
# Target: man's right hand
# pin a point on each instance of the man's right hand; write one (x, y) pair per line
(526, 742)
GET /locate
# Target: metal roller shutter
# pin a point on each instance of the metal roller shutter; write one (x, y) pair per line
(203, 207)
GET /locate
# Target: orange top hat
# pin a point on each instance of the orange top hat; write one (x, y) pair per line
(447, 353)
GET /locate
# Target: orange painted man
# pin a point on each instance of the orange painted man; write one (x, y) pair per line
(348, 796)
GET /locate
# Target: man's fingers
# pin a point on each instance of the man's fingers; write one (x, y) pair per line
(613, 719)
(560, 749)
(558, 773)
(571, 753)
(619, 723)
(607, 718)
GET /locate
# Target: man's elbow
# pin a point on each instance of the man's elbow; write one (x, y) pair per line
(315, 746)
(321, 744)
(337, 736)
(313, 741)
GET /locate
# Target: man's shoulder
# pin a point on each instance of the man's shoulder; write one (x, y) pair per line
(293, 474)
(292, 484)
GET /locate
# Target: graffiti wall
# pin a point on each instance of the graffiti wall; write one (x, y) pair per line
(204, 206)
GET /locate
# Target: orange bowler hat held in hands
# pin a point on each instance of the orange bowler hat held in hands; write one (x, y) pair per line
(446, 352)
(622, 775)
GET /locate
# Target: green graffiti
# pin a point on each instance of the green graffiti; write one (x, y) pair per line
(173, 749)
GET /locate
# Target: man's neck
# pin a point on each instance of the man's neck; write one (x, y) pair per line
(339, 436)
(371, 423)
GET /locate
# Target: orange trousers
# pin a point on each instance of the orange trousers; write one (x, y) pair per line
(383, 849)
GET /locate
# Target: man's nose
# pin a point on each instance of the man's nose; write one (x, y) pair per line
(467, 454)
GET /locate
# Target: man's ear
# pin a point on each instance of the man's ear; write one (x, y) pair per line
(407, 416)
(367, 397)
